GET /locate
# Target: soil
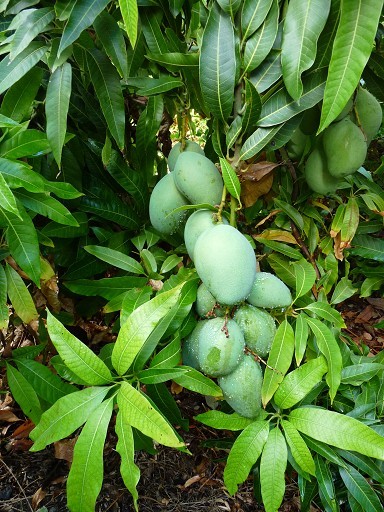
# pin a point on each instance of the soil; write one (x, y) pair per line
(171, 481)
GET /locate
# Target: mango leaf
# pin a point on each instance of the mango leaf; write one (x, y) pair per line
(222, 420)
(154, 34)
(272, 470)
(257, 141)
(108, 287)
(112, 39)
(7, 122)
(258, 46)
(304, 21)
(147, 86)
(11, 72)
(359, 373)
(138, 412)
(140, 324)
(106, 82)
(4, 313)
(129, 11)
(282, 269)
(47, 206)
(170, 262)
(301, 337)
(299, 449)
(252, 107)
(268, 72)
(327, 491)
(199, 383)
(86, 474)
(175, 61)
(230, 6)
(244, 453)
(305, 277)
(328, 346)
(233, 132)
(360, 489)
(231, 181)
(7, 199)
(115, 258)
(24, 394)
(351, 50)
(365, 464)
(327, 37)
(76, 355)
(218, 63)
(25, 143)
(19, 174)
(66, 415)
(279, 360)
(343, 290)
(252, 16)
(56, 108)
(368, 247)
(62, 190)
(129, 471)
(164, 401)
(82, 15)
(326, 312)
(19, 296)
(338, 430)
(35, 23)
(158, 375)
(371, 284)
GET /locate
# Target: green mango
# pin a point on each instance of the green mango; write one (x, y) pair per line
(369, 112)
(317, 175)
(268, 291)
(175, 152)
(189, 347)
(196, 224)
(258, 328)
(206, 303)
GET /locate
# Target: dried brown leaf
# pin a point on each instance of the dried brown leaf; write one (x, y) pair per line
(38, 497)
(64, 449)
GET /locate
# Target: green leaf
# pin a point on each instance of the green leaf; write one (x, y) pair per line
(365, 464)
(157, 375)
(326, 312)
(65, 416)
(115, 258)
(24, 394)
(19, 296)
(279, 360)
(108, 287)
(328, 346)
(130, 15)
(326, 486)
(338, 430)
(76, 355)
(86, 474)
(7, 122)
(174, 61)
(368, 247)
(252, 16)
(272, 470)
(359, 373)
(138, 412)
(268, 72)
(299, 449)
(170, 262)
(360, 489)
(129, 471)
(218, 63)
(25, 143)
(4, 313)
(291, 212)
(343, 290)
(82, 15)
(298, 383)
(304, 21)
(305, 277)
(62, 190)
(167, 405)
(252, 107)
(169, 356)
(47, 206)
(371, 284)
(257, 141)
(221, 420)
(148, 86)
(351, 50)
(140, 324)
(18, 174)
(231, 181)
(7, 199)
(199, 383)
(11, 72)
(112, 39)
(106, 82)
(35, 22)
(282, 269)
(17, 102)
(56, 108)
(301, 337)
(22, 242)
(244, 453)
(154, 34)
(258, 46)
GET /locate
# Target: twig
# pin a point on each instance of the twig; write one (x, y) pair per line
(18, 483)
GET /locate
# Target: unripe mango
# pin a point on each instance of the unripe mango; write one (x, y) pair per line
(317, 176)
(345, 148)
(346, 110)
(206, 303)
(242, 388)
(370, 114)
(190, 347)
(164, 199)
(310, 121)
(258, 328)
(196, 224)
(220, 346)
(268, 291)
(296, 145)
(198, 179)
(176, 151)
(226, 263)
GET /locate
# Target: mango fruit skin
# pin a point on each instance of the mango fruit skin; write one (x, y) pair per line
(296, 145)
(268, 291)
(226, 263)
(346, 110)
(190, 347)
(310, 121)
(164, 199)
(198, 179)
(242, 388)
(175, 152)
(197, 223)
(345, 148)
(369, 112)
(258, 328)
(317, 175)
(220, 346)
(206, 303)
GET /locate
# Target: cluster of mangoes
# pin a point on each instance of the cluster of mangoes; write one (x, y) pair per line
(341, 149)
(233, 327)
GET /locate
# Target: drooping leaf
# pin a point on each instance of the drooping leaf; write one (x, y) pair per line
(76, 355)
(24, 394)
(299, 449)
(43, 204)
(324, 478)
(153, 31)
(301, 337)
(7, 199)
(222, 420)
(112, 39)
(360, 489)
(231, 180)
(199, 383)
(257, 141)
(252, 107)
(147, 86)
(4, 312)
(218, 63)
(252, 16)
(19, 174)
(279, 360)
(304, 21)
(351, 50)
(19, 296)
(305, 277)
(244, 453)
(108, 287)
(368, 247)
(115, 258)
(338, 430)
(25, 143)
(358, 373)
(343, 290)
(138, 412)
(86, 474)
(272, 470)
(268, 72)
(130, 15)
(326, 312)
